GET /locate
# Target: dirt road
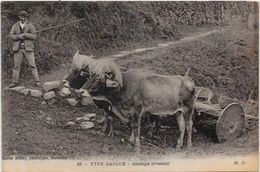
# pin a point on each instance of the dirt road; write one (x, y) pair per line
(129, 56)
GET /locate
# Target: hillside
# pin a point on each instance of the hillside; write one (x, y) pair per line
(108, 25)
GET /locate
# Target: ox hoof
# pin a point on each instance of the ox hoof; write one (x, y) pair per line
(131, 139)
(137, 150)
(178, 147)
(189, 146)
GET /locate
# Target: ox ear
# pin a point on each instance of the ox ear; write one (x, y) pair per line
(111, 84)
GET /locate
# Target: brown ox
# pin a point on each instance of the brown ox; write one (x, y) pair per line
(143, 93)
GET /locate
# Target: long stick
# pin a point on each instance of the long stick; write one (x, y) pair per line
(53, 27)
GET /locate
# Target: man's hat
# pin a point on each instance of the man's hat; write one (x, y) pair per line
(23, 13)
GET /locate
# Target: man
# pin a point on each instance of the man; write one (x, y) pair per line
(23, 34)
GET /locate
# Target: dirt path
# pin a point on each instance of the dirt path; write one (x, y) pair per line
(150, 52)
(128, 56)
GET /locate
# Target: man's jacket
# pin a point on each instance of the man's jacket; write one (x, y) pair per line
(29, 36)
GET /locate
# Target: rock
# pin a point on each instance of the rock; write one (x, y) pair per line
(61, 94)
(7, 89)
(49, 121)
(48, 86)
(86, 101)
(87, 125)
(85, 118)
(52, 101)
(49, 95)
(72, 101)
(69, 124)
(36, 93)
(90, 115)
(25, 91)
(44, 103)
(18, 88)
(64, 92)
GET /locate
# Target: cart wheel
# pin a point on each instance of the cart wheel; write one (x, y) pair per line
(231, 122)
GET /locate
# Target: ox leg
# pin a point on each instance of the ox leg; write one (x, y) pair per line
(149, 121)
(111, 126)
(181, 125)
(189, 131)
(132, 136)
(189, 122)
(153, 122)
(104, 129)
(137, 134)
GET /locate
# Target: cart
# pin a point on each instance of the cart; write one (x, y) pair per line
(224, 120)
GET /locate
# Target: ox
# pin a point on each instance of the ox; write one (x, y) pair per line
(145, 93)
(78, 76)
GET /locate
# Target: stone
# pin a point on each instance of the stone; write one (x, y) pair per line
(90, 115)
(52, 101)
(84, 118)
(7, 89)
(72, 101)
(18, 88)
(86, 101)
(36, 93)
(49, 95)
(48, 86)
(64, 92)
(25, 91)
(69, 123)
(87, 125)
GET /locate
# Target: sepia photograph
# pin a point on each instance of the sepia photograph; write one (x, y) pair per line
(129, 86)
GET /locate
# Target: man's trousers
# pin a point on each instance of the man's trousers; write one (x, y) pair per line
(18, 58)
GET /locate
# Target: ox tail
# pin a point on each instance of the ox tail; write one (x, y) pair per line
(195, 97)
(187, 72)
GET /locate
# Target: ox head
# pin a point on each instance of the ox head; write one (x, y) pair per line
(76, 78)
(79, 73)
(105, 78)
